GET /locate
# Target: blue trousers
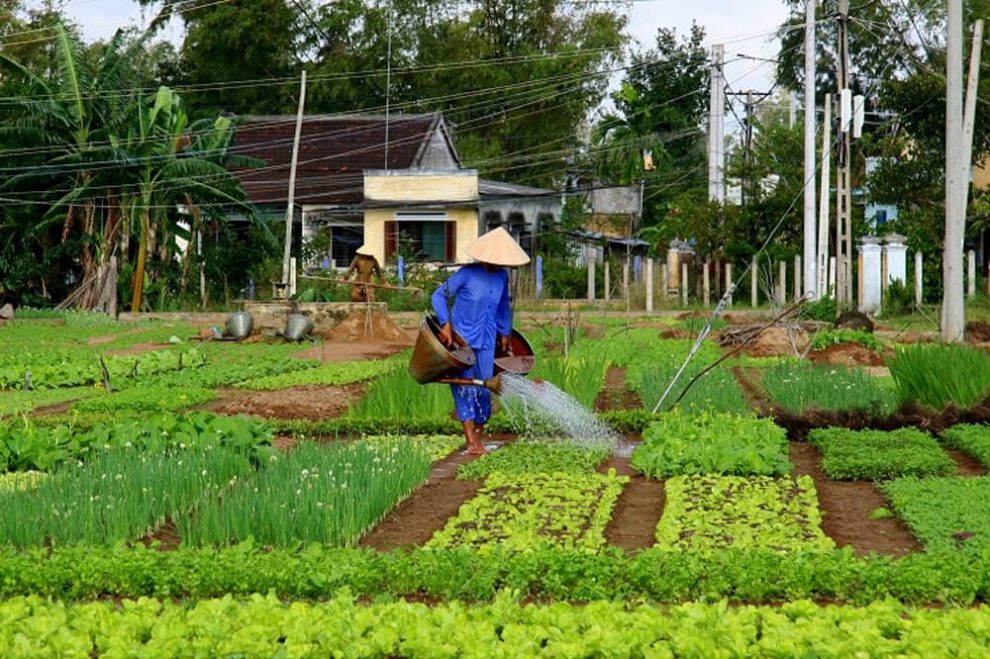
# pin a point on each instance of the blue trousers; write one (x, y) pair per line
(475, 403)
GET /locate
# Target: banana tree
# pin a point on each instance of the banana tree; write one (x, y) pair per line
(168, 163)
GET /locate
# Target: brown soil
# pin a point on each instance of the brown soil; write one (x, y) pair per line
(165, 538)
(426, 511)
(303, 402)
(674, 333)
(284, 442)
(109, 338)
(749, 382)
(637, 511)
(978, 331)
(615, 395)
(139, 348)
(55, 408)
(776, 342)
(365, 327)
(966, 465)
(345, 352)
(847, 354)
(846, 508)
(908, 416)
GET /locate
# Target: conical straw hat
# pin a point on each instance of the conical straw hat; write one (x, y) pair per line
(498, 248)
(365, 250)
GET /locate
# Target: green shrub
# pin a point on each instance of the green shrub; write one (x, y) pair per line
(876, 455)
(940, 375)
(944, 513)
(800, 386)
(973, 440)
(832, 337)
(822, 309)
(709, 443)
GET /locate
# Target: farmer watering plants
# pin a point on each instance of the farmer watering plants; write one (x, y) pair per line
(481, 315)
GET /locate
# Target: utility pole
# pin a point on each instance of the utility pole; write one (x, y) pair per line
(843, 194)
(292, 183)
(716, 127)
(823, 210)
(810, 257)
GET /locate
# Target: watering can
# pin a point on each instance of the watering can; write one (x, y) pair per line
(297, 326)
(239, 324)
(432, 361)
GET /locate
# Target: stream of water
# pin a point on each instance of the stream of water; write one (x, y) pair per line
(543, 403)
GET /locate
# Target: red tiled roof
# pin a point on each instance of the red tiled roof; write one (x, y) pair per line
(333, 154)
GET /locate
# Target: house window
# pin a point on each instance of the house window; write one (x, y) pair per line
(344, 243)
(421, 236)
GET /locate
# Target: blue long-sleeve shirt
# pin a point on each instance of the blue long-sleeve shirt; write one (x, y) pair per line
(481, 305)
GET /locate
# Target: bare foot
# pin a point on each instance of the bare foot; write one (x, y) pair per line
(477, 450)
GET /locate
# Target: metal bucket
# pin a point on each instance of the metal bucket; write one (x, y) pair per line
(432, 360)
(520, 358)
(297, 326)
(239, 324)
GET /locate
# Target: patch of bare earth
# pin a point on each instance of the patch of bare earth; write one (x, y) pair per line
(847, 354)
(966, 465)
(328, 352)
(139, 348)
(302, 402)
(414, 521)
(615, 395)
(846, 508)
(637, 510)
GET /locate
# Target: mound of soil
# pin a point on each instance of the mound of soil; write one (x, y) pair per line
(364, 327)
(855, 320)
(847, 354)
(777, 342)
(978, 331)
(303, 402)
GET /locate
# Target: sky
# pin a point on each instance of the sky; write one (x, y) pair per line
(744, 27)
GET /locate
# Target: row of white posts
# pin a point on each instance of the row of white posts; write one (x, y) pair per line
(881, 263)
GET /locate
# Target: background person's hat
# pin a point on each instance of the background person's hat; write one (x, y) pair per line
(498, 248)
(365, 250)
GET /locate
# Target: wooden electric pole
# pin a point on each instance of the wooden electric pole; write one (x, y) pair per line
(289, 212)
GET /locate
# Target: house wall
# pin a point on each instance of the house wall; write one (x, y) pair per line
(414, 185)
(374, 229)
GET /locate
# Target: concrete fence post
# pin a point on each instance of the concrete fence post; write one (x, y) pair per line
(797, 279)
(754, 289)
(728, 280)
(684, 284)
(591, 278)
(706, 283)
(970, 274)
(649, 285)
(608, 280)
(781, 283)
(919, 279)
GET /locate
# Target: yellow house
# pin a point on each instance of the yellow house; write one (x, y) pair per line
(395, 183)
(435, 210)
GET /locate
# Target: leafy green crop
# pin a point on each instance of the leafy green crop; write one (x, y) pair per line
(19, 402)
(944, 513)
(536, 456)
(827, 338)
(316, 572)
(326, 493)
(26, 445)
(527, 511)
(799, 386)
(939, 375)
(711, 443)
(971, 439)
(147, 399)
(876, 455)
(436, 447)
(333, 374)
(264, 626)
(714, 512)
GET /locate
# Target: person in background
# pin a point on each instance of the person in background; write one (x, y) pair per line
(482, 316)
(363, 266)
